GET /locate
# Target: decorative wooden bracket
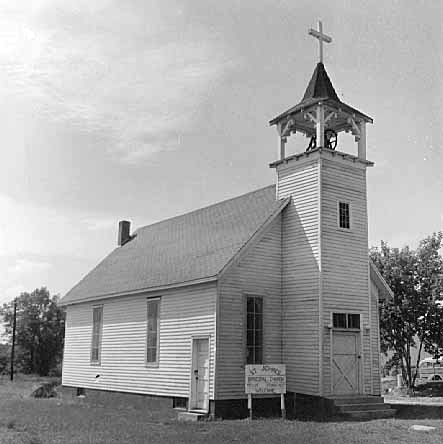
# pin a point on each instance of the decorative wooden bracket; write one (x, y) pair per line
(308, 116)
(355, 128)
(330, 116)
(285, 130)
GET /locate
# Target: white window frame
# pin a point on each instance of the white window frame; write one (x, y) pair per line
(157, 354)
(100, 337)
(346, 313)
(245, 329)
(343, 201)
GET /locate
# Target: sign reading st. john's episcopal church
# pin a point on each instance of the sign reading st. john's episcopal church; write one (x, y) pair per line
(265, 379)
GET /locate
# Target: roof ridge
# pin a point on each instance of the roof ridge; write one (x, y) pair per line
(202, 208)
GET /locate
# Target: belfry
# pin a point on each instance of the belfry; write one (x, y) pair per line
(321, 115)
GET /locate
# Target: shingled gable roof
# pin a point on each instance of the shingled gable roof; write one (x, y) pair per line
(185, 249)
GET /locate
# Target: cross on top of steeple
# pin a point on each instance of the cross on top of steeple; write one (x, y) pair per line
(321, 38)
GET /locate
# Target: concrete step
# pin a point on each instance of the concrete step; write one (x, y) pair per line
(362, 407)
(371, 414)
(191, 416)
(359, 407)
(347, 400)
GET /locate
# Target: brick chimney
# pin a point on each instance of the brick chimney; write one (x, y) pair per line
(124, 232)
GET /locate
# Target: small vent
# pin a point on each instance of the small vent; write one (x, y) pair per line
(180, 403)
(80, 391)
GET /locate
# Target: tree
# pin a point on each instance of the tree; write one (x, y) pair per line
(433, 341)
(4, 358)
(40, 330)
(410, 319)
(430, 268)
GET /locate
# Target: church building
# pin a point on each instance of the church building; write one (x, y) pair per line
(280, 275)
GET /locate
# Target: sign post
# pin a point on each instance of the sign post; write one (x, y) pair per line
(266, 379)
(14, 327)
(282, 406)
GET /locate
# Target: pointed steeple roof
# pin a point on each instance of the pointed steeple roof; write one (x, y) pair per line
(320, 86)
(319, 90)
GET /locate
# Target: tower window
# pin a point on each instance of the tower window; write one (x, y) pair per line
(344, 216)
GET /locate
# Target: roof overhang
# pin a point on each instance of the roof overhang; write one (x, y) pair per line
(385, 290)
(339, 114)
(95, 298)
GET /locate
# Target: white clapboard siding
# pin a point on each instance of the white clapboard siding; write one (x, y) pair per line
(375, 341)
(300, 273)
(345, 257)
(184, 313)
(325, 268)
(257, 274)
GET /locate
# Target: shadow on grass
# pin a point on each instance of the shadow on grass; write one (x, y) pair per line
(408, 411)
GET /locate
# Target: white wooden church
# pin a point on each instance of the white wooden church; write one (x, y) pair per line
(278, 275)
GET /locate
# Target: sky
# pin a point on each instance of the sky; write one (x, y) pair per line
(143, 110)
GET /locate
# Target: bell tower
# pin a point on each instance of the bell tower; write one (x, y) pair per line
(321, 115)
(327, 307)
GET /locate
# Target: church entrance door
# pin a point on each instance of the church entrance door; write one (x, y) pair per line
(200, 374)
(345, 362)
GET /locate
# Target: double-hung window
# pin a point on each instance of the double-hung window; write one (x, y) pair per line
(153, 330)
(97, 328)
(344, 215)
(254, 330)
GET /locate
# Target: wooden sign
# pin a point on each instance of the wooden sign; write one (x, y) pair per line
(265, 379)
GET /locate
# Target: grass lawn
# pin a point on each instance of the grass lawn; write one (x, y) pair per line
(25, 420)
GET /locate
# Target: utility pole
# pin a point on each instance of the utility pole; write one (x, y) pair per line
(14, 324)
